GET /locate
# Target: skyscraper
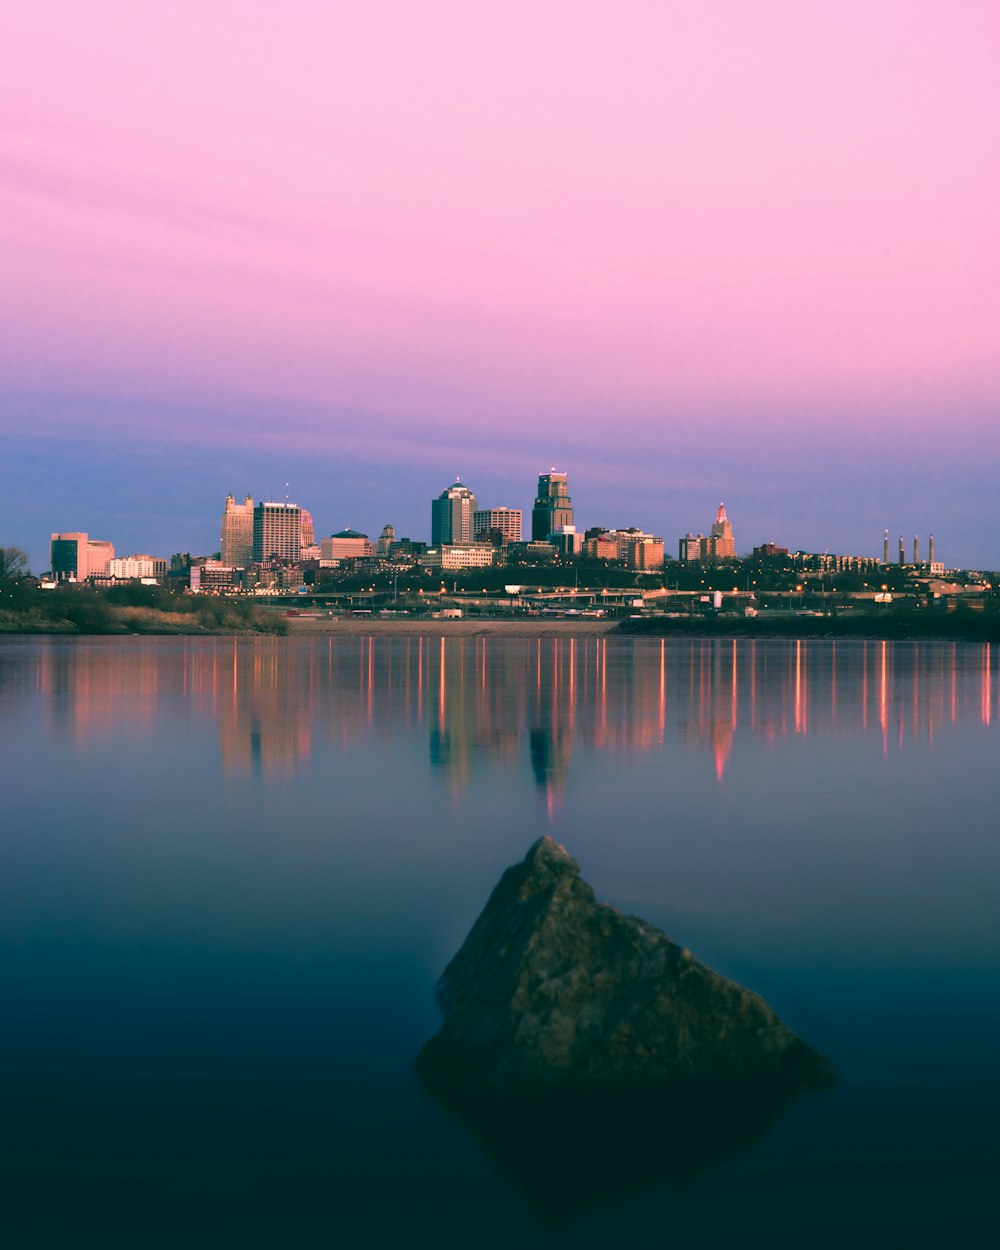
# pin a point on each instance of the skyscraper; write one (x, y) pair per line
(307, 532)
(553, 508)
(385, 541)
(451, 515)
(236, 539)
(723, 545)
(277, 531)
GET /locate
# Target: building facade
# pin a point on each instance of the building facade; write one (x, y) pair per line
(721, 544)
(502, 522)
(553, 508)
(689, 547)
(458, 556)
(346, 545)
(215, 577)
(645, 553)
(131, 568)
(100, 553)
(236, 537)
(277, 532)
(68, 557)
(385, 540)
(451, 516)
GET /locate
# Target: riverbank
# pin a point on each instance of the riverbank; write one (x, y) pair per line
(466, 627)
(950, 627)
(90, 613)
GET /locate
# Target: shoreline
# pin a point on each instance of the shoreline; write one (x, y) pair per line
(534, 627)
(464, 628)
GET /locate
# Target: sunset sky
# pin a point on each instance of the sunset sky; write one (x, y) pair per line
(685, 251)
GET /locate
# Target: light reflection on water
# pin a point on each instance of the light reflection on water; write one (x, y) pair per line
(234, 868)
(482, 699)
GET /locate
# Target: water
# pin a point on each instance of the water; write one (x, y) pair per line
(233, 871)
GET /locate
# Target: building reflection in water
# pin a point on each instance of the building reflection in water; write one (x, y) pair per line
(508, 705)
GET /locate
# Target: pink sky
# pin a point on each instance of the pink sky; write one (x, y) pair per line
(482, 213)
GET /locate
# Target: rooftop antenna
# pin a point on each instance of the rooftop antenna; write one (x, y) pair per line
(286, 493)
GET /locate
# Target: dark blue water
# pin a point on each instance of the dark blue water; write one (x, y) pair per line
(233, 871)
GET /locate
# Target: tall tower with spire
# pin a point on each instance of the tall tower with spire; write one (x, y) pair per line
(721, 544)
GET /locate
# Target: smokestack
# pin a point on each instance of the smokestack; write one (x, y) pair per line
(930, 549)
(916, 548)
(885, 553)
(902, 551)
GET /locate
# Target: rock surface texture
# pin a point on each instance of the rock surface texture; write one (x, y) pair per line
(552, 989)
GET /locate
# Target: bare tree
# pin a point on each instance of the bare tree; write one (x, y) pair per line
(13, 564)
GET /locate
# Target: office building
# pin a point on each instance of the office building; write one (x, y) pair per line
(644, 553)
(553, 508)
(307, 537)
(599, 545)
(236, 538)
(458, 556)
(451, 516)
(277, 532)
(133, 568)
(689, 547)
(215, 577)
(346, 545)
(68, 557)
(385, 540)
(99, 555)
(497, 524)
(74, 556)
(567, 542)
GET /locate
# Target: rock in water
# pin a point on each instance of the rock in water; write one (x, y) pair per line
(591, 1055)
(553, 989)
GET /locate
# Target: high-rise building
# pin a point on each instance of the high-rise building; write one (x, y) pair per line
(277, 531)
(690, 546)
(451, 515)
(74, 556)
(307, 534)
(489, 522)
(553, 508)
(722, 544)
(385, 541)
(236, 539)
(68, 557)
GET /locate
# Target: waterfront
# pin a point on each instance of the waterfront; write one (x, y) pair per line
(236, 867)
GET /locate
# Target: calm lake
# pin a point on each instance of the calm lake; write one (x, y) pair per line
(234, 870)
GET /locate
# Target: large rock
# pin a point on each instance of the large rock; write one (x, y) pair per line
(551, 986)
(590, 1054)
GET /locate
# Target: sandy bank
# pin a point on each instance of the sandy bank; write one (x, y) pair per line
(533, 627)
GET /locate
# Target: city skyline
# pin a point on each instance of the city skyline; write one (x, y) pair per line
(731, 252)
(292, 534)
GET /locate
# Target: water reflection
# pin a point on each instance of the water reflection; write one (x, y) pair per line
(484, 702)
(566, 1152)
